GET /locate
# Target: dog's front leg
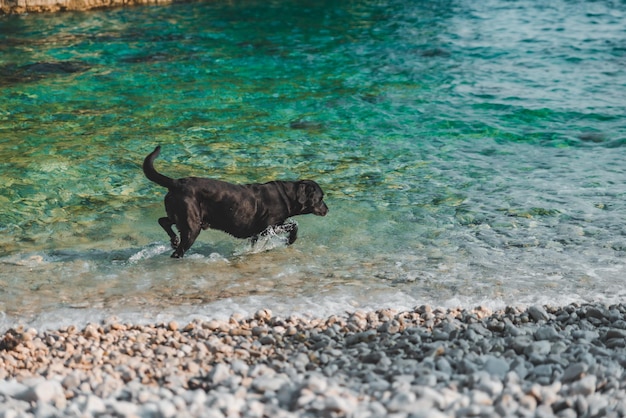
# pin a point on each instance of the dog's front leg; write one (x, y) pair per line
(292, 228)
(166, 224)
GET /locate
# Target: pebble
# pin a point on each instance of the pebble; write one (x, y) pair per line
(538, 313)
(42, 391)
(219, 373)
(496, 366)
(544, 361)
(573, 372)
(269, 383)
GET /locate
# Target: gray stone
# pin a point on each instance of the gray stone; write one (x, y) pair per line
(123, 408)
(443, 365)
(316, 383)
(538, 348)
(585, 386)
(615, 333)
(9, 413)
(428, 413)
(239, 367)
(150, 409)
(582, 405)
(166, 409)
(430, 397)
(538, 313)
(544, 370)
(71, 381)
(401, 402)
(480, 398)
(11, 388)
(255, 409)
(547, 332)
(45, 410)
(492, 386)
(567, 413)
(520, 343)
(219, 373)
(495, 366)
(339, 404)
(43, 391)
(506, 405)
(195, 397)
(583, 334)
(93, 405)
(518, 366)
(573, 372)
(597, 312)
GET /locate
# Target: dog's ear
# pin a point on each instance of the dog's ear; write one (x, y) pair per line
(302, 193)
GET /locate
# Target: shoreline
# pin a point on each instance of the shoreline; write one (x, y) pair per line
(550, 361)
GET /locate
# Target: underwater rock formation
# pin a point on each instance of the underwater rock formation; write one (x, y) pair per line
(36, 6)
(13, 74)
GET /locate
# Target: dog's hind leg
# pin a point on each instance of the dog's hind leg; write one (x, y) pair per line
(166, 224)
(188, 235)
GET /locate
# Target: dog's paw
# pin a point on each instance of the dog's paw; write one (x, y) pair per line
(175, 242)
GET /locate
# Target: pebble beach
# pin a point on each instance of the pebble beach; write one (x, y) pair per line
(538, 361)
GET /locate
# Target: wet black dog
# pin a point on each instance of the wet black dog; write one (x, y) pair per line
(244, 211)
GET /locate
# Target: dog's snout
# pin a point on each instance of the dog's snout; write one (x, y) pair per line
(322, 210)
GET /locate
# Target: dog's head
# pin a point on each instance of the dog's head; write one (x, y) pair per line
(311, 197)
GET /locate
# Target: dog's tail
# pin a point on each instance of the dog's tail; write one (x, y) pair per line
(152, 174)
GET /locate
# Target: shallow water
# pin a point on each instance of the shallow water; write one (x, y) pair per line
(470, 153)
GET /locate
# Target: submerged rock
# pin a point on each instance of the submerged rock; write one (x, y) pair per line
(38, 6)
(14, 74)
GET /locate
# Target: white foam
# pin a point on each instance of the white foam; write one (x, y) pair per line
(320, 306)
(149, 252)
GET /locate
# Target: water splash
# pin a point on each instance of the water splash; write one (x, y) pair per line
(148, 253)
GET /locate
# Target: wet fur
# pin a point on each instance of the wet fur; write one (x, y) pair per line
(243, 211)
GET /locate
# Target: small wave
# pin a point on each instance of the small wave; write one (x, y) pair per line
(617, 143)
(213, 257)
(263, 244)
(152, 251)
(268, 243)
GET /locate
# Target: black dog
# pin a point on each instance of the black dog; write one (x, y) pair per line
(244, 211)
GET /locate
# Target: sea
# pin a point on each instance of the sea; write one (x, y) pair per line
(472, 153)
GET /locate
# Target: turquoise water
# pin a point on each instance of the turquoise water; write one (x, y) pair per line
(471, 153)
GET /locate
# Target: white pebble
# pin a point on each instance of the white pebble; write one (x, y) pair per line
(585, 386)
(219, 373)
(401, 402)
(316, 383)
(43, 391)
(268, 383)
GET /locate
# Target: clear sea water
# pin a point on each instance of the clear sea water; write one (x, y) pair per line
(472, 153)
